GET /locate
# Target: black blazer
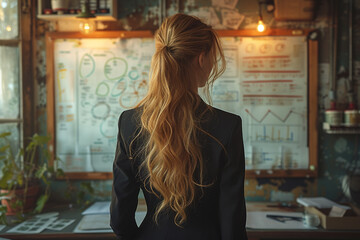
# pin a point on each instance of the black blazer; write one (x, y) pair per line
(219, 213)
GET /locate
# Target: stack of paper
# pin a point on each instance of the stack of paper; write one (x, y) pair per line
(319, 202)
(97, 218)
(98, 208)
(94, 223)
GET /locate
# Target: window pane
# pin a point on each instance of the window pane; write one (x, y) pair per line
(8, 19)
(9, 82)
(14, 138)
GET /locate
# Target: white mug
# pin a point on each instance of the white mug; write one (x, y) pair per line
(311, 220)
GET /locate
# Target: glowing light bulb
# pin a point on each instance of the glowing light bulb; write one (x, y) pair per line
(87, 26)
(261, 27)
(8, 28)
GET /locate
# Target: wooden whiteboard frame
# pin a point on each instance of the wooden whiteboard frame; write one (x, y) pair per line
(312, 171)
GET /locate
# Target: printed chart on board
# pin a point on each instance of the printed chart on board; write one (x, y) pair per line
(266, 84)
(95, 80)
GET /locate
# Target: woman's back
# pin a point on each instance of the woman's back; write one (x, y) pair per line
(219, 212)
(187, 157)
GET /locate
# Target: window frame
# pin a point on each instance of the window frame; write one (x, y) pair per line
(24, 43)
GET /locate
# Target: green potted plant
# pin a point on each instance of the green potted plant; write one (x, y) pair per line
(24, 182)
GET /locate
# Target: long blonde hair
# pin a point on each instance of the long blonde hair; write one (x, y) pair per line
(168, 120)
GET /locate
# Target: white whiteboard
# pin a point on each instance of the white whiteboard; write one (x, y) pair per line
(265, 83)
(95, 80)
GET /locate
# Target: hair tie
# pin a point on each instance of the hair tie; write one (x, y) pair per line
(168, 49)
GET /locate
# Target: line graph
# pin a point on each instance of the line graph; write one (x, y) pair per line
(269, 112)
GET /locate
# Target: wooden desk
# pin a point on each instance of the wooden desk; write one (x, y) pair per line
(74, 213)
(320, 233)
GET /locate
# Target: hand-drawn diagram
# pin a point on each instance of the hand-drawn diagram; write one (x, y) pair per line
(64, 77)
(265, 83)
(87, 66)
(101, 78)
(115, 68)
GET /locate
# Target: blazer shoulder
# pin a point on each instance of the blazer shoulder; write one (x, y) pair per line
(221, 124)
(227, 118)
(129, 115)
(129, 121)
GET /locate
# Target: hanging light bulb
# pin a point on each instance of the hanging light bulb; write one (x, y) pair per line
(261, 26)
(87, 24)
(8, 28)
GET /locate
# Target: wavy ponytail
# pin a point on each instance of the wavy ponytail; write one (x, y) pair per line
(168, 121)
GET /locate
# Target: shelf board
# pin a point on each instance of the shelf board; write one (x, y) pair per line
(55, 17)
(341, 129)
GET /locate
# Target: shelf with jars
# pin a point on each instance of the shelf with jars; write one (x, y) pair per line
(55, 10)
(341, 129)
(342, 122)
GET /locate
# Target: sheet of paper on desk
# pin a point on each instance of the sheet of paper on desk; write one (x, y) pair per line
(33, 225)
(258, 220)
(98, 208)
(60, 224)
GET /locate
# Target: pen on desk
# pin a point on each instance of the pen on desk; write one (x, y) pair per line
(283, 205)
(282, 218)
